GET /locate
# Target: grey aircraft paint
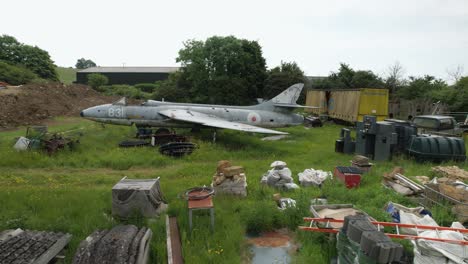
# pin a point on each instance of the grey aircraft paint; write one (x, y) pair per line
(269, 114)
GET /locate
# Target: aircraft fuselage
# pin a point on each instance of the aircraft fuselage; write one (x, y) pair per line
(147, 115)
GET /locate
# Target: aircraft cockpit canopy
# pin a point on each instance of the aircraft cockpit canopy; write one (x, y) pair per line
(121, 101)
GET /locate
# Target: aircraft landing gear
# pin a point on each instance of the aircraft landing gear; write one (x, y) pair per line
(214, 135)
(162, 130)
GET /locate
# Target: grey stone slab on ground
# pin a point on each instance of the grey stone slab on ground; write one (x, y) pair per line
(35, 247)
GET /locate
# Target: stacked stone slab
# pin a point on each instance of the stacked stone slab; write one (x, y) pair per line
(229, 179)
(359, 241)
(123, 244)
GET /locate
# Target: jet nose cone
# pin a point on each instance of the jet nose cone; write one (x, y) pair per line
(81, 114)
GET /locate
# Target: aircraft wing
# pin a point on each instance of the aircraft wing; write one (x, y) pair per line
(214, 121)
(295, 106)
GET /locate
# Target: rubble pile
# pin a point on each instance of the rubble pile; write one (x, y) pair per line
(30, 104)
(279, 176)
(455, 190)
(362, 163)
(451, 172)
(401, 184)
(229, 179)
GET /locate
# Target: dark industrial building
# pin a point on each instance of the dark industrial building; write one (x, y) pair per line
(127, 75)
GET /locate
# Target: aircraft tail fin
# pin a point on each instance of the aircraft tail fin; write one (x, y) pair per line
(289, 96)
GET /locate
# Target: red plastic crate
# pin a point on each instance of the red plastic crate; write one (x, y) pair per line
(351, 180)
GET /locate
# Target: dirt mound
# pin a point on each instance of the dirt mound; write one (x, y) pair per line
(34, 103)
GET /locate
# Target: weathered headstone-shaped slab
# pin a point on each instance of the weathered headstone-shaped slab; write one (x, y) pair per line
(142, 196)
(123, 244)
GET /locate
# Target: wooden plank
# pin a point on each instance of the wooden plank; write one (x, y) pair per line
(174, 246)
(168, 241)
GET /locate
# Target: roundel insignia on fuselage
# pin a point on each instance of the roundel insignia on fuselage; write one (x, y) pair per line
(253, 117)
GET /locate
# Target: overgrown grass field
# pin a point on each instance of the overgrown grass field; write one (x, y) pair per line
(71, 191)
(66, 75)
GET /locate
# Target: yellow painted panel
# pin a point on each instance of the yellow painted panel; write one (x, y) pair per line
(374, 102)
(344, 105)
(316, 98)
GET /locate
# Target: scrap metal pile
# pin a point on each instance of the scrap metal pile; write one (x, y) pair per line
(229, 179)
(177, 149)
(401, 184)
(38, 138)
(449, 190)
(170, 143)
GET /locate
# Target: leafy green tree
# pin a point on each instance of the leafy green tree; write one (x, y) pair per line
(172, 89)
(84, 63)
(366, 79)
(423, 92)
(347, 78)
(459, 98)
(281, 77)
(15, 75)
(97, 80)
(421, 87)
(224, 70)
(31, 57)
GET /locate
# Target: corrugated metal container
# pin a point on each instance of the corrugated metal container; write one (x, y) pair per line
(317, 98)
(350, 105)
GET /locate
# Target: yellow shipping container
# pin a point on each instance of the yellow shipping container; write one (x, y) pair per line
(350, 105)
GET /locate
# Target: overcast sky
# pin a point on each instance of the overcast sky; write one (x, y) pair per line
(425, 36)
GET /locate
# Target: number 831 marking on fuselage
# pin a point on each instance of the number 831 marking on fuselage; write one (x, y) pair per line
(115, 112)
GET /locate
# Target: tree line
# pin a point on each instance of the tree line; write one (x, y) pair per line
(420, 90)
(229, 70)
(21, 63)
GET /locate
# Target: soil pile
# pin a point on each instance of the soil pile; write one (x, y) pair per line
(32, 103)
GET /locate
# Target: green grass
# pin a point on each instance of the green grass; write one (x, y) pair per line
(71, 191)
(66, 75)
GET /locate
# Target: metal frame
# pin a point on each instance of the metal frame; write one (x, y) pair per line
(313, 227)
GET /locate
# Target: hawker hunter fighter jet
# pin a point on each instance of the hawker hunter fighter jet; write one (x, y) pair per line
(277, 112)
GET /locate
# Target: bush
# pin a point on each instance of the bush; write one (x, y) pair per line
(124, 90)
(15, 75)
(97, 80)
(146, 87)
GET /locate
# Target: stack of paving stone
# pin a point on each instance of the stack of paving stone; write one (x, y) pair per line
(26, 246)
(123, 244)
(359, 241)
(229, 179)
